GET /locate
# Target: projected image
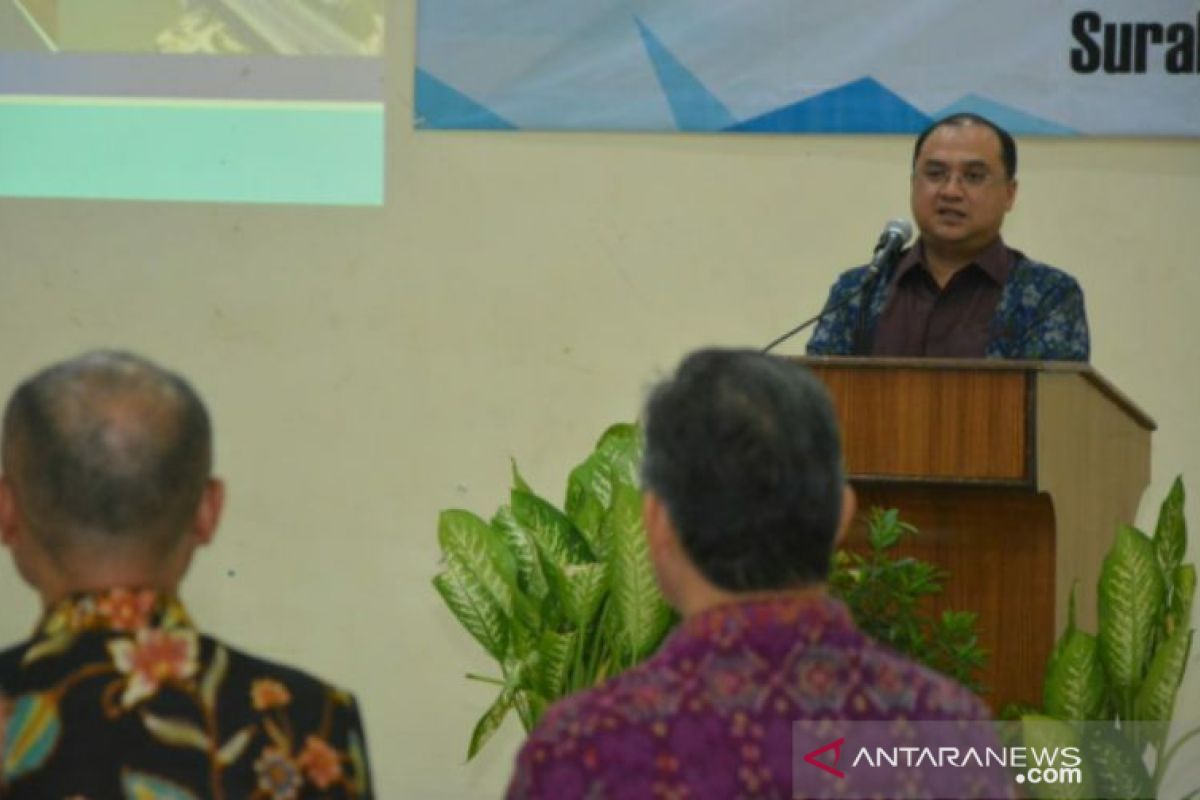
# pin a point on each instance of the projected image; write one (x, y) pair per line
(227, 101)
(214, 27)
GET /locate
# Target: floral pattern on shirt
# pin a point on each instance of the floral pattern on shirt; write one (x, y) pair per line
(119, 695)
(1041, 315)
(710, 716)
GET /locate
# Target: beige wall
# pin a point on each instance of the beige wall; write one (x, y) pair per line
(369, 367)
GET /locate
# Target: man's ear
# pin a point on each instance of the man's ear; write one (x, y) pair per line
(660, 533)
(10, 516)
(849, 509)
(208, 513)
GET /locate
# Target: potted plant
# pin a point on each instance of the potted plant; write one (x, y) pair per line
(1112, 694)
(563, 599)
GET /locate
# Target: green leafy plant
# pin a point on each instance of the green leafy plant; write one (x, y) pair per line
(1113, 692)
(886, 594)
(563, 599)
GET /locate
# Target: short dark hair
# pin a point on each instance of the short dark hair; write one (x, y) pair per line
(107, 445)
(1008, 146)
(744, 451)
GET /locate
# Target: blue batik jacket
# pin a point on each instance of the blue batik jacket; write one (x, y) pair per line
(1040, 316)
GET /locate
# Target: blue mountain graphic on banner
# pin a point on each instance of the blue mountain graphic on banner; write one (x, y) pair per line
(864, 106)
(440, 106)
(694, 107)
(1012, 119)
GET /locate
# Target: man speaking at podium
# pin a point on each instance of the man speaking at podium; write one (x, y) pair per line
(960, 292)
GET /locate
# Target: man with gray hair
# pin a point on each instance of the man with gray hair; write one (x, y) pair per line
(744, 499)
(105, 495)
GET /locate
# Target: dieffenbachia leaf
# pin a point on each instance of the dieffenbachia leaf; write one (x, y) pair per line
(1062, 640)
(530, 708)
(1155, 701)
(1075, 687)
(586, 586)
(1113, 764)
(639, 616)
(590, 485)
(530, 575)
(1131, 591)
(518, 479)
(474, 607)
(1170, 534)
(481, 551)
(1046, 734)
(1183, 593)
(555, 651)
(490, 721)
(551, 529)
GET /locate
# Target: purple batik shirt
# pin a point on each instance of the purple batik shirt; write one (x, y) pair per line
(710, 716)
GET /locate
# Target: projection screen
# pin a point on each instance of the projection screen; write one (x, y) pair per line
(255, 101)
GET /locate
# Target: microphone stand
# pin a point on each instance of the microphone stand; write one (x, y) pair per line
(887, 251)
(809, 322)
(869, 282)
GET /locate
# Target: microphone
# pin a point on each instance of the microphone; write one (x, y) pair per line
(895, 235)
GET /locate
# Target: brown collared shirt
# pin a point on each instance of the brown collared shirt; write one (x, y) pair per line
(954, 321)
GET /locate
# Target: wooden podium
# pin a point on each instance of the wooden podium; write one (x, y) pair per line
(1016, 473)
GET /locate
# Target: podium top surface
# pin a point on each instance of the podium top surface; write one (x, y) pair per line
(1085, 371)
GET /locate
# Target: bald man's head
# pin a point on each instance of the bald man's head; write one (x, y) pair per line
(107, 448)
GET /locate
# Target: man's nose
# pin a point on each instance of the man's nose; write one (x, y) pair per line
(952, 186)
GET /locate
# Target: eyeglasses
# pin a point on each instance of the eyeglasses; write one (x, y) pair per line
(972, 177)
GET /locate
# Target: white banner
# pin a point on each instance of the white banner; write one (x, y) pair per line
(1057, 67)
